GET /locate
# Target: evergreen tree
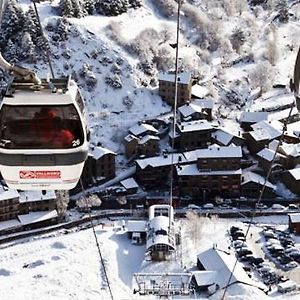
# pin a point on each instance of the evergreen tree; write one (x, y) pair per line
(78, 8)
(111, 7)
(31, 24)
(283, 11)
(89, 6)
(237, 39)
(65, 8)
(28, 48)
(11, 52)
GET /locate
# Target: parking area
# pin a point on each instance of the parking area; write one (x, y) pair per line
(251, 250)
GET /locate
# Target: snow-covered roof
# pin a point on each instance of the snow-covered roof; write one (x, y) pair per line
(189, 108)
(224, 136)
(147, 138)
(268, 154)
(130, 137)
(294, 128)
(158, 161)
(295, 173)
(38, 216)
(192, 170)
(223, 264)
(31, 196)
(129, 183)
(205, 278)
(291, 149)
(155, 236)
(183, 77)
(197, 125)
(253, 116)
(98, 152)
(6, 193)
(295, 217)
(9, 224)
(282, 114)
(199, 91)
(266, 130)
(216, 151)
(140, 129)
(249, 176)
(136, 225)
(205, 103)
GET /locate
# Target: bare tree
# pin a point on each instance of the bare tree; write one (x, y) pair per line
(262, 77)
(195, 226)
(272, 51)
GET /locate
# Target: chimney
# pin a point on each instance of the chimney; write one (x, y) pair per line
(179, 158)
(182, 127)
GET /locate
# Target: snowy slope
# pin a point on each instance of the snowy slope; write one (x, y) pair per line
(108, 37)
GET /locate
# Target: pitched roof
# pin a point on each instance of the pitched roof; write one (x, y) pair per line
(295, 173)
(291, 149)
(98, 152)
(147, 138)
(140, 129)
(129, 183)
(266, 130)
(183, 77)
(6, 193)
(223, 264)
(295, 217)
(159, 161)
(249, 176)
(197, 125)
(189, 108)
(268, 154)
(253, 116)
(199, 91)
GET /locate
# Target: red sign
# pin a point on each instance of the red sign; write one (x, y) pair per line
(39, 174)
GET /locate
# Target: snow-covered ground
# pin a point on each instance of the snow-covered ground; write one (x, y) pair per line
(66, 266)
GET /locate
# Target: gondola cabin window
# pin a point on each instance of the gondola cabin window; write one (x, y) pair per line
(40, 127)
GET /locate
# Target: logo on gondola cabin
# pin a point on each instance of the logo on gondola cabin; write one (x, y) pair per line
(39, 174)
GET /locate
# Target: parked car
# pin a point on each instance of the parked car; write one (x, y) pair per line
(244, 252)
(193, 207)
(291, 265)
(257, 261)
(287, 286)
(278, 206)
(238, 244)
(293, 206)
(208, 206)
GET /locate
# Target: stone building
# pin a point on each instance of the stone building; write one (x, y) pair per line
(9, 204)
(99, 167)
(167, 87)
(217, 172)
